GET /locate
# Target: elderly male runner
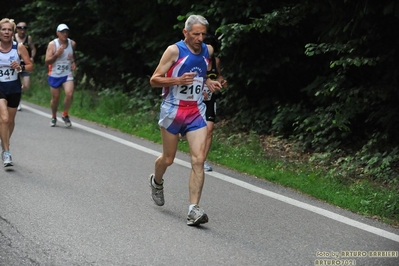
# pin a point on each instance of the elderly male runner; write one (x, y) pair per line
(60, 59)
(182, 73)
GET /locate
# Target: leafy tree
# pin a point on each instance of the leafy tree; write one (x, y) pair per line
(320, 72)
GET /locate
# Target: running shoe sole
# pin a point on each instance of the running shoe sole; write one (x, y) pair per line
(200, 220)
(8, 164)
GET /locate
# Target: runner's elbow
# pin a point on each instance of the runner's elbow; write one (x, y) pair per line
(154, 83)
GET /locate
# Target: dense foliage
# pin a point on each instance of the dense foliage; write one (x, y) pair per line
(319, 72)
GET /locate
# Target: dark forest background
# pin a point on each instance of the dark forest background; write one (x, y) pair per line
(320, 73)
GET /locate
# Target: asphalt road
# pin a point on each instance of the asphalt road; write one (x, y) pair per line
(79, 196)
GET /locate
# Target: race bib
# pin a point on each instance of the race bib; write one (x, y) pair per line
(8, 74)
(190, 92)
(62, 67)
(207, 93)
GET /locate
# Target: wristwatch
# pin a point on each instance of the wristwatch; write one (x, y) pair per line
(22, 69)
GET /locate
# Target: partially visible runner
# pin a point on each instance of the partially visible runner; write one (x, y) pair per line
(22, 37)
(214, 73)
(11, 54)
(60, 58)
(182, 72)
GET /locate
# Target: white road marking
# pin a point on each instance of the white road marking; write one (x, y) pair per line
(297, 203)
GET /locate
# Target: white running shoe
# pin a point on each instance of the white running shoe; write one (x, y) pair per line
(197, 216)
(7, 159)
(207, 167)
(156, 192)
(53, 122)
(67, 121)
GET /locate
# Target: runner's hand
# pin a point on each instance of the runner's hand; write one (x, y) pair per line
(187, 78)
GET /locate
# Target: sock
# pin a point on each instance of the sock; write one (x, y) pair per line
(64, 113)
(191, 207)
(155, 184)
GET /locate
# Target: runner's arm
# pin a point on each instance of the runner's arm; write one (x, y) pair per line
(24, 55)
(168, 58)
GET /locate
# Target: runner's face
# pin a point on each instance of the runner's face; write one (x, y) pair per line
(63, 35)
(6, 32)
(21, 30)
(195, 37)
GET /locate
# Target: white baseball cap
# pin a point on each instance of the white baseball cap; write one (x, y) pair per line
(62, 27)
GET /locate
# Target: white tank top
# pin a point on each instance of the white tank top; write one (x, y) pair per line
(8, 74)
(62, 65)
